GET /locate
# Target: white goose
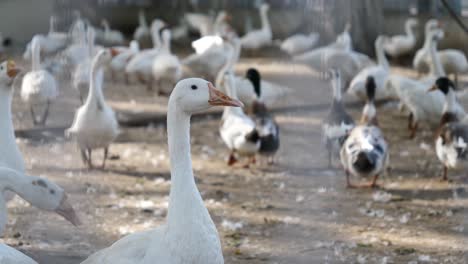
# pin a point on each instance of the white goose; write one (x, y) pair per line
(300, 43)
(37, 191)
(262, 37)
(51, 43)
(39, 86)
(78, 50)
(204, 43)
(9, 255)
(237, 130)
(112, 36)
(142, 32)
(420, 62)
(167, 69)
(423, 106)
(189, 235)
(140, 65)
(399, 45)
(120, 61)
(95, 125)
(379, 72)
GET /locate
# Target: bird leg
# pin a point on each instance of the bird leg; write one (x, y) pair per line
(329, 159)
(444, 174)
(106, 152)
(271, 160)
(413, 130)
(232, 159)
(46, 113)
(84, 156)
(410, 121)
(33, 115)
(348, 181)
(90, 160)
(373, 183)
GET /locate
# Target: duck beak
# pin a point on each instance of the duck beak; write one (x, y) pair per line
(433, 88)
(66, 210)
(114, 52)
(219, 98)
(12, 71)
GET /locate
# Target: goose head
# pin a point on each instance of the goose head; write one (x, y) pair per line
(431, 24)
(104, 57)
(8, 72)
(264, 8)
(443, 84)
(156, 25)
(411, 22)
(47, 195)
(194, 95)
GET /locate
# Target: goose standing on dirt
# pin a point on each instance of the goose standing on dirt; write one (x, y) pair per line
(338, 123)
(120, 61)
(95, 125)
(365, 150)
(268, 129)
(379, 73)
(452, 135)
(399, 45)
(262, 37)
(39, 86)
(189, 234)
(167, 69)
(299, 43)
(37, 191)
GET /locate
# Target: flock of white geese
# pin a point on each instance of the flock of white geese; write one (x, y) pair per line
(247, 127)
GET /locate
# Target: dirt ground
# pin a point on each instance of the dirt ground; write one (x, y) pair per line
(297, 211)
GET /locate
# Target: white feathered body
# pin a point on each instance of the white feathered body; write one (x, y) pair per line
(38, 87)
(257, 39)
(141, 64)
(357, 86)
(299, 43)
(234, 129)
(399, 45)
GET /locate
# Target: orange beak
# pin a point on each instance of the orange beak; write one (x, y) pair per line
(12, 71)
(433, 88)
(114, 52)
(219, 98)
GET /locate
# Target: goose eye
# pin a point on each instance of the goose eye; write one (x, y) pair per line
(194, 87)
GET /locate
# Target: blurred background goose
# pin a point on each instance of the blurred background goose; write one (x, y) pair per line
(399, 45)
(256, 39)
(300, 43)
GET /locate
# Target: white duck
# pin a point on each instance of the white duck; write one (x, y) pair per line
(379, 72)
(140, 65)
(262, 37)
(167, 69)
(37, 191)
(142, 32)
(78, 50)
(365, 150)
(112, 36)
(237, 130)
(400, 45)
(189, 235)
(95, 125)
(452, 135)
(423, 106)
(9, 255)
(51, 43)
(300, 43)
(120, 61)
(39, 86)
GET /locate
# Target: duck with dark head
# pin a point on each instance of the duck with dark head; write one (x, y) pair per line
(451, 142)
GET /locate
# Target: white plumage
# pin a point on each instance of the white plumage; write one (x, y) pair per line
(299, 43)
(167, 69)
(262, 37)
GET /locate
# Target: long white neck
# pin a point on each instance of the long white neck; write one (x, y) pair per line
(450, 102)
(264, 18)
(36, 55)
(436, 68)
(231, 91)
(106, 26)
(95, 85)
(185, 200)
(166, 47)
(91, 37)
(156, 38)
(409, 30)
(218, 23)
(142, 20)
(10, 154)
(52, 24)
(230, 54)
(3, 214)
(382, 60)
